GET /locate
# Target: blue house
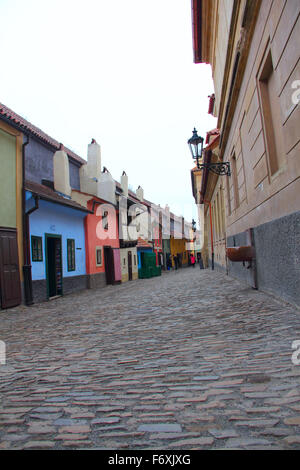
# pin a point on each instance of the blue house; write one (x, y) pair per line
(57, 242)
(48, 221)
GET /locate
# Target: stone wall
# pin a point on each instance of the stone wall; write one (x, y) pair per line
(277, 245)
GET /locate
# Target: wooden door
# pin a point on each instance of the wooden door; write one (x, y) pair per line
(129, 265)
(10, 285)
(109, 265)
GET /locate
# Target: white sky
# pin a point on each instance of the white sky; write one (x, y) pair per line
(119, 71)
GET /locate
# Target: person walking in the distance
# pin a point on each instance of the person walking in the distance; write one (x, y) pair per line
(175, 257)
(193, 260)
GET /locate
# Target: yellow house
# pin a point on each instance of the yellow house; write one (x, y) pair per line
(178, 248)
(11, 222)
(178, 241)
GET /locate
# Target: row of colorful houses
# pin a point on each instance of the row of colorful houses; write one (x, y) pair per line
(66, 224)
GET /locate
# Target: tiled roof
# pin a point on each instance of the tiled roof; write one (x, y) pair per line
(213, 142)
(143, 244)
(48, 194)
(215, 131)
(26, 126)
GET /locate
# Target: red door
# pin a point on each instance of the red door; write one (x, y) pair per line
(10, 286)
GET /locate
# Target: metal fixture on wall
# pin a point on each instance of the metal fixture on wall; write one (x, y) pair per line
(196, 148)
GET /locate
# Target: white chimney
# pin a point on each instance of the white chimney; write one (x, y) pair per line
(124, 184)
(94, 160)
(140, 193)
(106, 187)
(61, 172)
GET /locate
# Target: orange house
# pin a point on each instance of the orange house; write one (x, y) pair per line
(102, 244)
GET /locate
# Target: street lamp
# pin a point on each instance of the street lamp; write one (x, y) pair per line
(196, 147)
(194, 225)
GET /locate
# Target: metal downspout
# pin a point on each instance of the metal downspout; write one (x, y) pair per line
(26, 245)
(211, 236)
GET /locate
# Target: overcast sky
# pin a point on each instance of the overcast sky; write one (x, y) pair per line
(119, 71)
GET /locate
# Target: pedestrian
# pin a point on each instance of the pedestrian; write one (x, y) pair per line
(169, 263)
(200, 261)
(193, 260)
(175, 261)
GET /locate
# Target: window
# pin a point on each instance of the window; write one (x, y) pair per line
(71, 254)
(105, 220)
(134, 260)
(98, 255)
(235, 181)
(36, 248)
(271, 114)
(228, 197)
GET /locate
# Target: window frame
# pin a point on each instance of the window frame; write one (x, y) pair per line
(71, 263)
(99, 248)
(39, 251)
(105, 224)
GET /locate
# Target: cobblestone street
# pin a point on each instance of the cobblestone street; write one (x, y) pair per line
(190, 360)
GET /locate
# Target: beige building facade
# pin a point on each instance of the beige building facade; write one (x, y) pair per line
(253, 48)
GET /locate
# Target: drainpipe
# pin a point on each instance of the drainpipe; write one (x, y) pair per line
(211, 235)
(26, 244)
(207, 160)
(27, 264)
(26, 260)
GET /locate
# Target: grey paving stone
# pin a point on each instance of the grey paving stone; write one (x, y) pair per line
(161, 427)
(104, 367)
(223, 433)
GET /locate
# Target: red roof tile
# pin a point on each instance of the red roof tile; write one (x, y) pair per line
(48, 194)
(143, 244)
(210, 133)
(24, 125)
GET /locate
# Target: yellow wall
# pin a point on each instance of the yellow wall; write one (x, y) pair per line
(179, 246)
(19, 223)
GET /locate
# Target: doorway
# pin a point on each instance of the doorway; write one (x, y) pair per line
(10, 286)
(129, 265)
(109, 265)
(53, 265)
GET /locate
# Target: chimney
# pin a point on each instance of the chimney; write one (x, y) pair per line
(94, 160)
(106, 187)
(140, 193)
(124, 184)
(61, 172)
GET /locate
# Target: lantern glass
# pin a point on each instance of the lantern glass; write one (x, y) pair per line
(196, 145)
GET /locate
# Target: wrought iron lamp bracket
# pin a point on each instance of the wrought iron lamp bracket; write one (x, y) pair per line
(220, 168)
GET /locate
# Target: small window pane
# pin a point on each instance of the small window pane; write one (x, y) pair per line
(99, 256)
(105, 220)
(71, 254)
(36, 248)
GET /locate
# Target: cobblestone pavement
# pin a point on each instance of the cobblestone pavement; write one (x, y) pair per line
(190, 360)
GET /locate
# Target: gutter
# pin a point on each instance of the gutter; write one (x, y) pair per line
(27, 265)
(26, 240)
(26, 249)
(206, 160)
(197, 30)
